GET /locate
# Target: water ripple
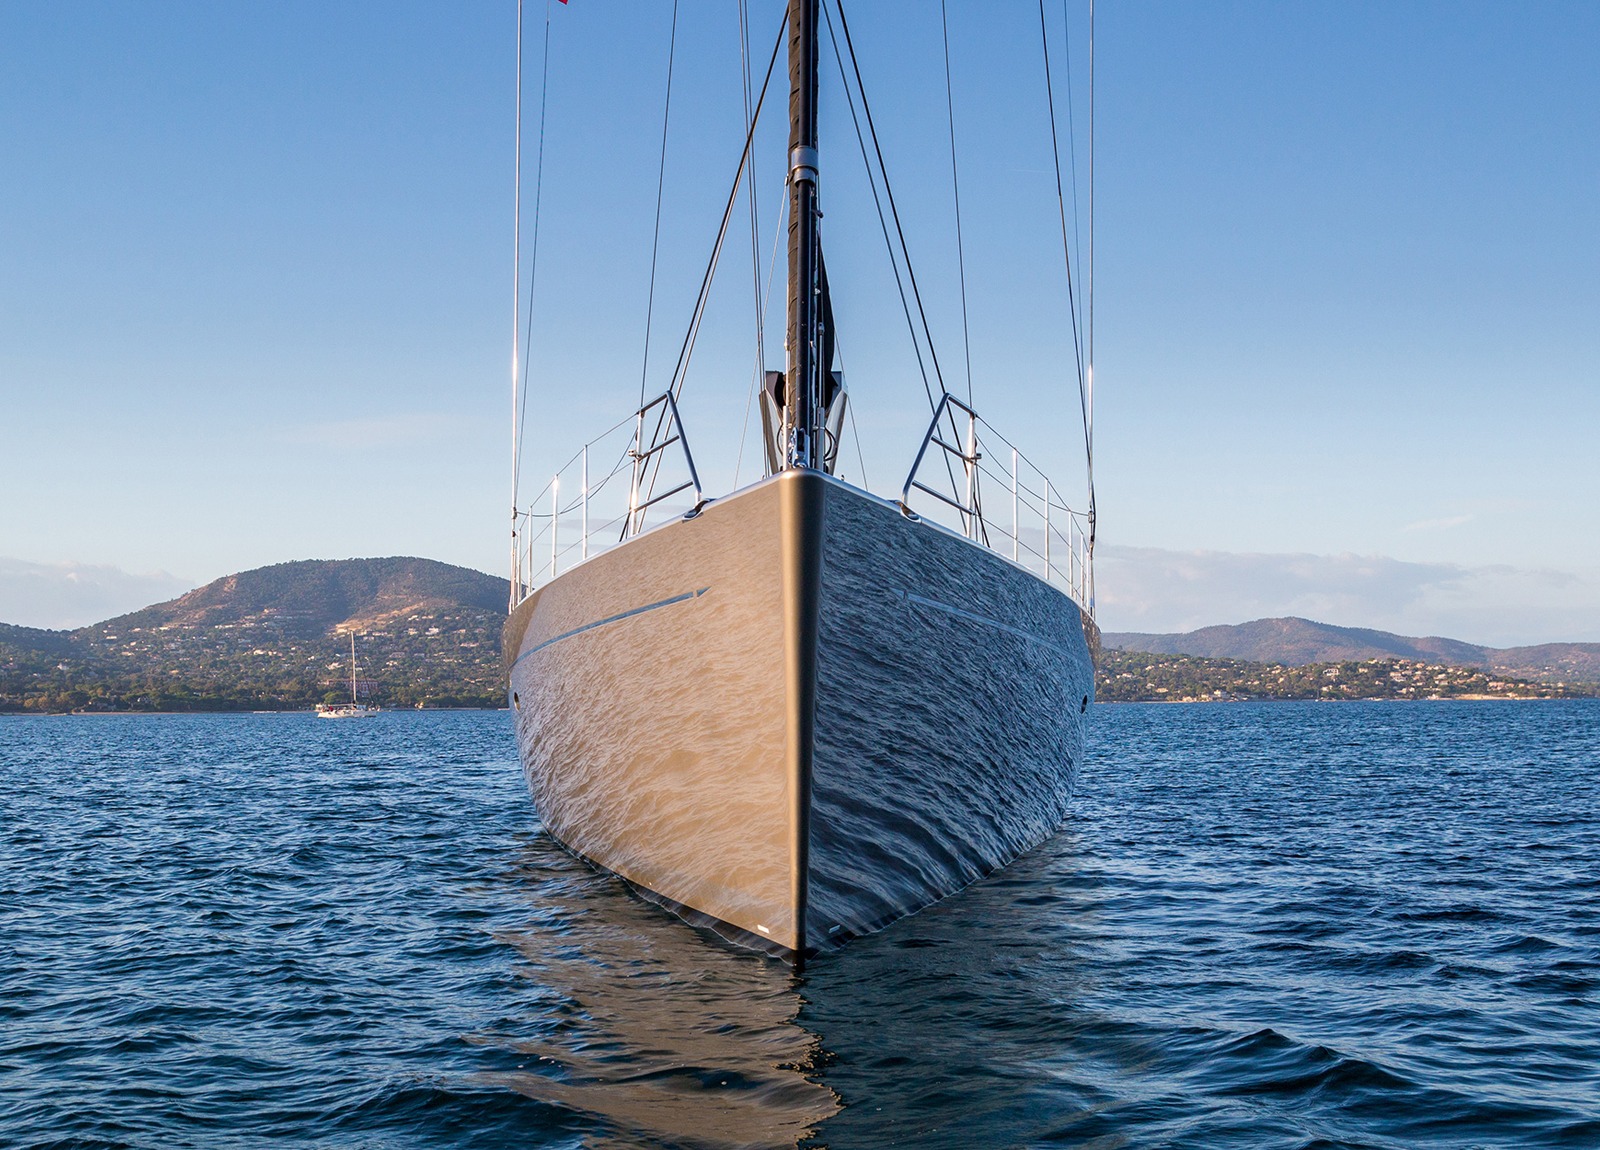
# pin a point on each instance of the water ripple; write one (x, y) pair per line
(1289, 926)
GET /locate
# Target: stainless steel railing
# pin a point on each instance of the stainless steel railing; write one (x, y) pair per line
(954, 480)
(1041, 533)
(597, 518)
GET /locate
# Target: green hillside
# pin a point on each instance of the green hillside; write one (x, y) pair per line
(276, 638)
(1141, 676)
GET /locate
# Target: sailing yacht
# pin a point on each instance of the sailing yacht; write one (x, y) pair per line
(355, 708)
(798, 711)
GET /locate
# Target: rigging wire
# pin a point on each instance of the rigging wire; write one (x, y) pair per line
(686, 352)
(521, 421)
(850, 410)
(1072, 134)
(766, 298)
(894, 210)
(1091, 310)
(755, 243)
(1082, 333)
(1061, 203)
(1082, 343)
(520, 359)
(661, 182)
(955, 184)
(850, 413)
(883, 221)
(750, 185)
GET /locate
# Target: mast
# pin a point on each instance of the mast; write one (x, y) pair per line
(354, 698)
(516, 349)
(1089, 414)
(804, 368)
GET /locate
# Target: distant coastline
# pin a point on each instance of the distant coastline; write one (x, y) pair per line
(1146, 677)
(275, 639)
(176, 714)
(1429, 699)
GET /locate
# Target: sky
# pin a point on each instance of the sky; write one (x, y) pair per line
(255, 285)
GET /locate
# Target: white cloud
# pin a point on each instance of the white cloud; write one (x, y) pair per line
(1149, 589)
(66, 595)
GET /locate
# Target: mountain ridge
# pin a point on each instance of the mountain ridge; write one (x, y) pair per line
(1295, 642)
(311, 595)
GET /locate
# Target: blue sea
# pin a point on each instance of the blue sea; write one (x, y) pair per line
(1263, 925)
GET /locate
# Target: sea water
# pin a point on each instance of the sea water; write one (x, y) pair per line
(1263, 925)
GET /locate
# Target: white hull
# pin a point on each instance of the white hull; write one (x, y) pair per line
(346, 711)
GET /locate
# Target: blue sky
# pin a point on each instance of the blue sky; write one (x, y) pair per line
(255, 279)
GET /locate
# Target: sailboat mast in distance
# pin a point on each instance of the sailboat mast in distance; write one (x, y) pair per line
(355, 708)
(803, 371)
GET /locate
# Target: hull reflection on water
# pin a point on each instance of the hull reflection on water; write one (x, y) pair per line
(964, 1026)
(663, 1035)
(929, 1031)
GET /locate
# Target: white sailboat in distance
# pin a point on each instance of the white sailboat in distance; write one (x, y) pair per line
(355, 708)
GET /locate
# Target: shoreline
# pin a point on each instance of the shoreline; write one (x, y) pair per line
(1370, 699)
(1098, 703)
(219, 711)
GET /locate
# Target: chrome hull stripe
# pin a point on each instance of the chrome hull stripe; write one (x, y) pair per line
(687, 595)
(950, 609)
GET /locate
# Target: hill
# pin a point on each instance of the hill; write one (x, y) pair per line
(314, 597)
(1301, 642)
(275, 638)
(1138, 676)
(33, 641)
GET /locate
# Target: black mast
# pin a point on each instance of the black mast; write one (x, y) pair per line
(803, 366)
